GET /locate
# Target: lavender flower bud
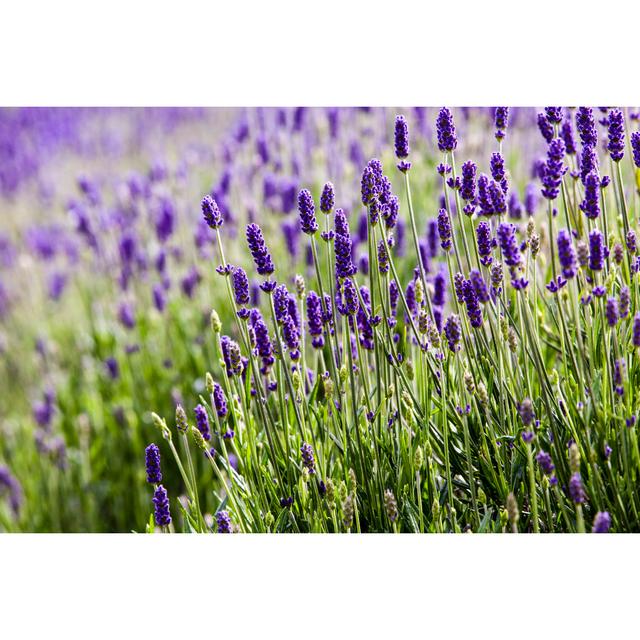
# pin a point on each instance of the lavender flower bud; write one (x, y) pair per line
(216, 325)
(390, 505)
(181, 419)
(636, 331)
(512, 510)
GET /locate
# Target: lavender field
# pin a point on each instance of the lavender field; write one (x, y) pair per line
(260, 320)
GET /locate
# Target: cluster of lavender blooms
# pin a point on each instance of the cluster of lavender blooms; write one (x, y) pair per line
(387, 367)
(397, 345)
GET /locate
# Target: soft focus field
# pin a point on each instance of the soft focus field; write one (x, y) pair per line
(445, 395)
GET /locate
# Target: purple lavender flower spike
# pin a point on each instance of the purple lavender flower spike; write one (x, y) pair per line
(590, 206)
(602, 522)
(484, 242)
(597, 250)
(566, 133)
(501, 121)
(484, 197)
(161, 507)
(307, 210)
(259, 251)
(545, 128)
(444, 229)
(202, 422)
(452, 332)
(615, 144)
(508, 245)
(152, 464)
(554, 169)
(588, 162)
(314, 319)
(211, 212)
(479, 285)
(402, 142)
(498, 202)
(240, 286)
(350, 303)
(530, 199)
(586, 126)
(223, 522)
(327, 199)
(308, 461)
(567, 254)
(219, 401)
(576, 489)
(446, 131)
(553, 114)
(635, 340)
(635, 148)
(624, 302)
(611, 312)
(473, 307)
(498, 172)
(291, 337)
(468, 186)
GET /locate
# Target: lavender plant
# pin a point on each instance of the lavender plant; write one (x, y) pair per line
(409, 333)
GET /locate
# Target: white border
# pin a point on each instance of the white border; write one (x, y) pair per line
(338, 52)
(308, 587)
